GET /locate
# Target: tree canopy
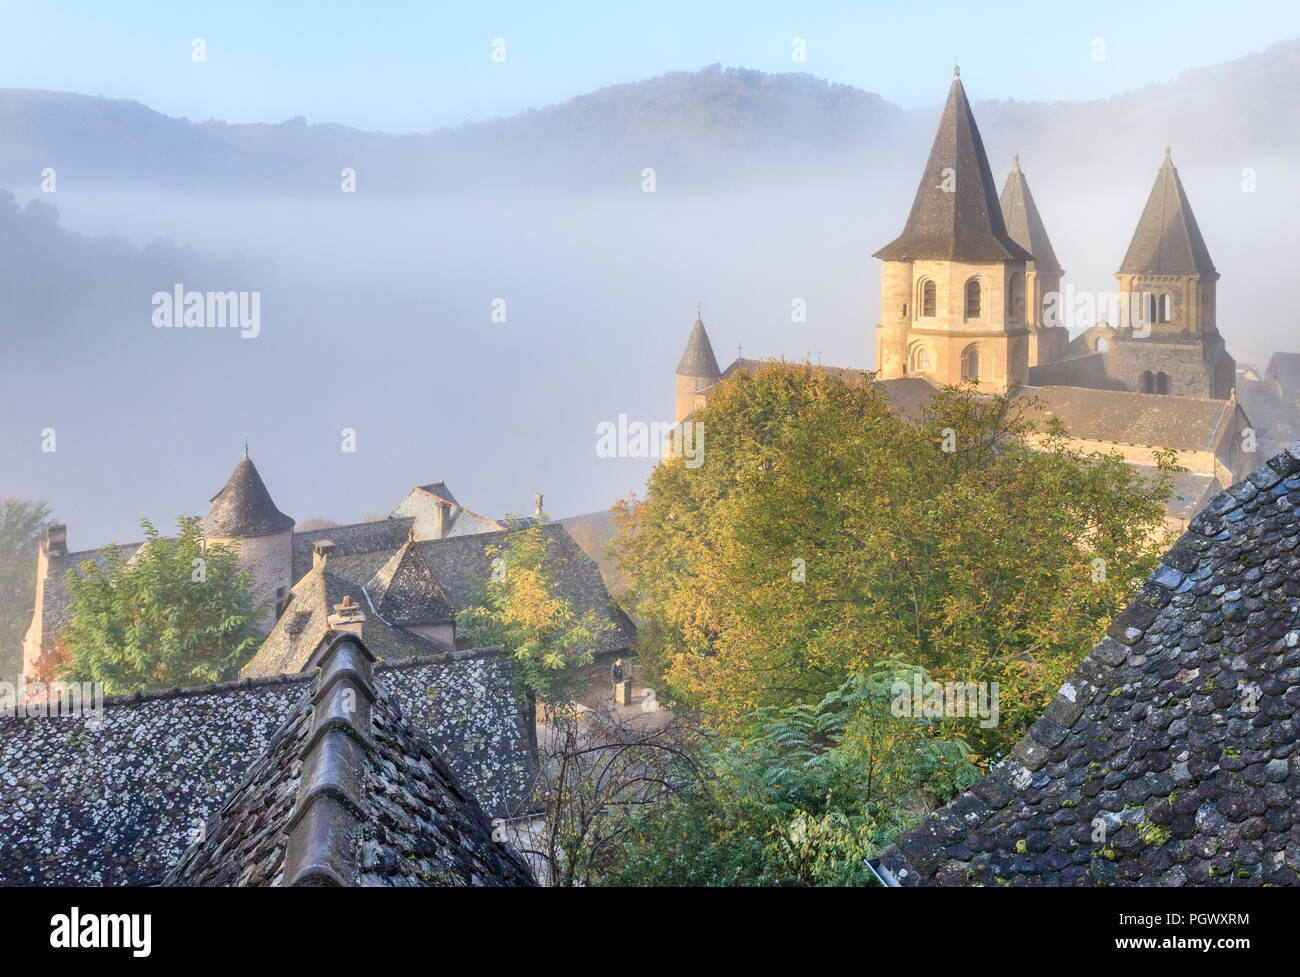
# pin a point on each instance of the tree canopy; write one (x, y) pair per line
(177, 612)
(826, 531)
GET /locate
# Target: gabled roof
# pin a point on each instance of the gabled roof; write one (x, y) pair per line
(1178, 734)
(405, 593)
(956, 214)
(1167, 240)
(113, 803)
(244, 507)
(1023, 222)
(697, 359)
(349, 792)
(353, 538)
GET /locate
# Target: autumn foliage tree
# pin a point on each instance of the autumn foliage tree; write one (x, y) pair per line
(177, 612)
(825, 531)
(523, 609)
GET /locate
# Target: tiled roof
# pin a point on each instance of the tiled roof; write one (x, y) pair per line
(1177, 736)
(1024, 223)
(359, 536)
(1167, 240)
(404, 592)
(244, 507)
(956, 215)
(461, 568)
(115, 805)
(349, 792)
(422, 502)
(1123, 417)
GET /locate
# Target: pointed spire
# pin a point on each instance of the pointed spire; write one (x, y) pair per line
(244, 507)
(698, 359)
(1167, 240)
(955, 214)
(1024, 223)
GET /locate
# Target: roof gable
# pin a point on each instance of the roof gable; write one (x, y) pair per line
(349, 792)
(955, 215)
(404, 592)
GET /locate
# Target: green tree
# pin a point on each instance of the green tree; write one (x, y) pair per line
(826, 531)
(804, 795)
(22, 525)
(522, 608)
(178, 612)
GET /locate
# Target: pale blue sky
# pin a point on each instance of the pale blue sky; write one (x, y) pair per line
(414, 66)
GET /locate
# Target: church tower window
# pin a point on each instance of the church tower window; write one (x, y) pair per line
(973, 299)
(1146, 382)
(1162, 382)
(970, 362)
(928, 298)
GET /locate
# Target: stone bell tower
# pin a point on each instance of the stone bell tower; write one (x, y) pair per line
(1168, 341)
(952, 296)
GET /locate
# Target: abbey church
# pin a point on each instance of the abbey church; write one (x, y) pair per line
(972, 290)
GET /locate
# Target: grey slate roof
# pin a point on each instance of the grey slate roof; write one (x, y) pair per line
(244, 507)
(1124, 417)
(1167, 240)
(460, 566)
(1179, 731)
(963, 223)
(404, 591)
(359, 536)
(1024, 223)
(698, 359)
(115, 805)
(349, 792)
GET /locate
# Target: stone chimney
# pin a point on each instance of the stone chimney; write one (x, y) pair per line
(322, 551)
(441, 518)
(56, 540)
(347, 617)
(537, 500)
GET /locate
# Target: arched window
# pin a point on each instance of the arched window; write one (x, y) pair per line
(1015, 298)
(928, 298)
(1164, 307)
(1162, 382)
(970, 363)
(1146, 383)
(973, 299)
(1103, 344)
(921, 359)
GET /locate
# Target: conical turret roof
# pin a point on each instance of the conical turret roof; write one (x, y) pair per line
(698, 360)
(244, 507)
(1023, 222)
(956, 215)
(1167, 240)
